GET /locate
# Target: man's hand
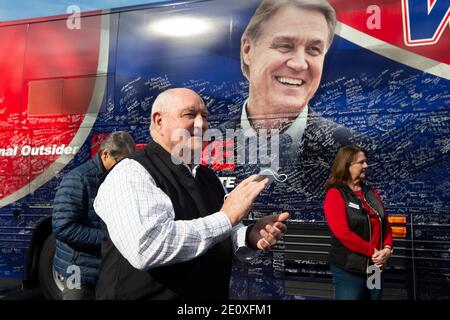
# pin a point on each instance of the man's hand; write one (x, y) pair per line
(267, 231)
(239, 201)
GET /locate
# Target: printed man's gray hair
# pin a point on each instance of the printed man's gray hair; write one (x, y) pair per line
(267, 8)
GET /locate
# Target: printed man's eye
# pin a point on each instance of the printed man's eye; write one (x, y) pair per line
(285, 47)
(282, 46)
(315, 50)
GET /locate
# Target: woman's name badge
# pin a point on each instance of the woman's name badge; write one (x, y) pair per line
(353, 205)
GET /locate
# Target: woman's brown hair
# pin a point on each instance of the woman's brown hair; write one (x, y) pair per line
(339, 170)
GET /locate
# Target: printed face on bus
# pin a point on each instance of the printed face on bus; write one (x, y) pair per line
(285, 63)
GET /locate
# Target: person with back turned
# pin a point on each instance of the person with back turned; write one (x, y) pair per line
(76, 226)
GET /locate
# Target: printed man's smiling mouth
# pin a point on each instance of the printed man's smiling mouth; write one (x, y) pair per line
(291, 82)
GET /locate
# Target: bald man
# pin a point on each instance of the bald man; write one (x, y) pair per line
(169, 233)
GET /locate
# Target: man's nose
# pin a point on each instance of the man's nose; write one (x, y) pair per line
(200, 122)
(298, 61)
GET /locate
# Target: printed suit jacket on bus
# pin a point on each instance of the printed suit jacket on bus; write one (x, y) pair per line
(306, 170)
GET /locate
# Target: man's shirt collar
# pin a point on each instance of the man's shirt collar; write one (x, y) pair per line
(295, 130)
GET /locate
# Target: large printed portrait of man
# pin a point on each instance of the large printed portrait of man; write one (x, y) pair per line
(282, 52)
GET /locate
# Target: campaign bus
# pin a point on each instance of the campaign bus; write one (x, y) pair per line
(68, 81)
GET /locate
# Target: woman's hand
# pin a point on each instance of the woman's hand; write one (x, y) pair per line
(380, 257)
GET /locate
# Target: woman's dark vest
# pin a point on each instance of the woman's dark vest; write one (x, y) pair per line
(205, 277)
(359, 223)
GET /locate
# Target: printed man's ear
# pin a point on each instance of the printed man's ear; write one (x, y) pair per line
(246, 50)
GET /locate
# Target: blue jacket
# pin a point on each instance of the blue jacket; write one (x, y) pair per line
(76, 226)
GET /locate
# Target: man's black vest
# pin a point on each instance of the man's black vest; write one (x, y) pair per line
(359, 223)
(205, 277)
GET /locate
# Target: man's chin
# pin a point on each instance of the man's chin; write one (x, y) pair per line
(288, 107)
(196, 147)
(196, 143)
(188, 152)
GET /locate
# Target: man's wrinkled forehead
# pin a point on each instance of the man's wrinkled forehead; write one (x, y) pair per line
(189, 105)
(184, 100)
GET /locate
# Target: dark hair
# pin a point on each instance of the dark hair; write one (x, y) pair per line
(339, 171)
(118, 144)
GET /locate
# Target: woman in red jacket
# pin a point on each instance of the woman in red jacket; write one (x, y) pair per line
(361, 236)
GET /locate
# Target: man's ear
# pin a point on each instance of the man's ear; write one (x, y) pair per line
(157, 122)
(103, 155)
(246, 48)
